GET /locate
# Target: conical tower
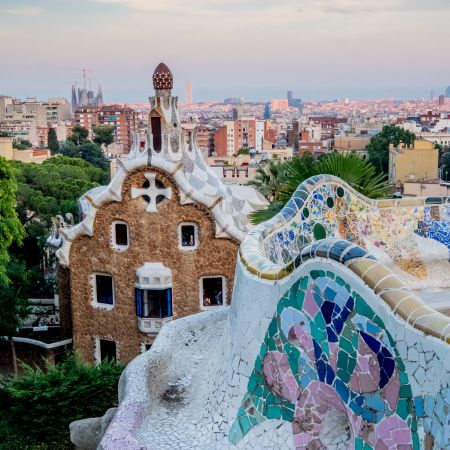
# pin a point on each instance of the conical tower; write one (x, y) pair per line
(74, 99)
(99, 98)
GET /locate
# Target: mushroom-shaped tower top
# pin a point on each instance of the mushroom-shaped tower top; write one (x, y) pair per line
(162, 77)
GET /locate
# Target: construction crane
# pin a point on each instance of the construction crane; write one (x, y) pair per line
(83, 70)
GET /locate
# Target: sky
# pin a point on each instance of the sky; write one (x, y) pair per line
(255, 49)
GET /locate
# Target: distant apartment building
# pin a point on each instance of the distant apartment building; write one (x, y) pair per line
(328, 124)
(246, 132)
(441, 138)
(123, 119)
(292, 101)
(279, 104)
(351, 143)
(205, 138)
(125, 123)
(87, 117)
(304, 139)
(418, 161)
(430, 188)
(28, 119)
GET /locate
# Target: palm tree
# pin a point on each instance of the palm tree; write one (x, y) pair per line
(270, 179)
(357, 172)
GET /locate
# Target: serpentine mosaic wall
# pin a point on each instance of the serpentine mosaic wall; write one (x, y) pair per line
(326, 207)
(331, 367)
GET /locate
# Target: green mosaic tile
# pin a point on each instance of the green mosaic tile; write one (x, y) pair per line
(361, 307)
(303, 285)
(402, 408)
(346, 345)
(401, 366)
(403, 378)
(405, 391)
(252, 384)
(359, 444)
(273, 412)
(287, 414)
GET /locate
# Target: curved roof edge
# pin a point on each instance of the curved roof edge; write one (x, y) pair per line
(196, 182)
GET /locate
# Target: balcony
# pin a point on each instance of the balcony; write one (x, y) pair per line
(152, 325)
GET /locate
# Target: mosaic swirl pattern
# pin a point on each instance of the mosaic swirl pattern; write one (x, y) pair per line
(330, 367)
(326, 207)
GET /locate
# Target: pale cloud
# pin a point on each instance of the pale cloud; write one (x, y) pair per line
(209, 7)
(21, 11)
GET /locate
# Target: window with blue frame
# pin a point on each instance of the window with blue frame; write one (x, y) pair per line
(153, 302)
(104, 290)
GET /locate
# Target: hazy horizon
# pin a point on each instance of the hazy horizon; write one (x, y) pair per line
(256, 49)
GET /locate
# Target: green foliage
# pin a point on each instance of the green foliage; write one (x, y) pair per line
(79, 135)
(4, 134)
(270, 179)
(11, 229)
(90, 152)
(277, 180)
(445, 165)
(42, 403)
(21, 144)
(53, 187)
(357, 172)
(14, 297)
(243, 151)
(52, 141)
(378, 147)
(103, 135)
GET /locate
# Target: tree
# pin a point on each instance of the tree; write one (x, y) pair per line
(88, 151)
(279, 181)
(21, 144)
(44, 191)
(13, 302)
(53, 187)
(52, 141)
(4, 134)
(270, 179)
(103, 135)
(445, 165)
(11, 230)
(39, 405)
(378, 147)
(79, 135)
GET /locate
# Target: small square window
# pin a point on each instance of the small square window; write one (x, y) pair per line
(121, 234)
(212, 291)
(108, 350)
(104, 290)
(188, 236)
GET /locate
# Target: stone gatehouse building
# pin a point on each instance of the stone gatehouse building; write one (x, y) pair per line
(158, 243)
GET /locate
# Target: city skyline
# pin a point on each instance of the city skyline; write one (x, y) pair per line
(312, 48)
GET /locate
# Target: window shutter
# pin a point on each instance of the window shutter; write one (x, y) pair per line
(139, 296)
(169, 302)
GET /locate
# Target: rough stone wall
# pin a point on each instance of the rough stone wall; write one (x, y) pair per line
(65, 313)
(153, 238)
